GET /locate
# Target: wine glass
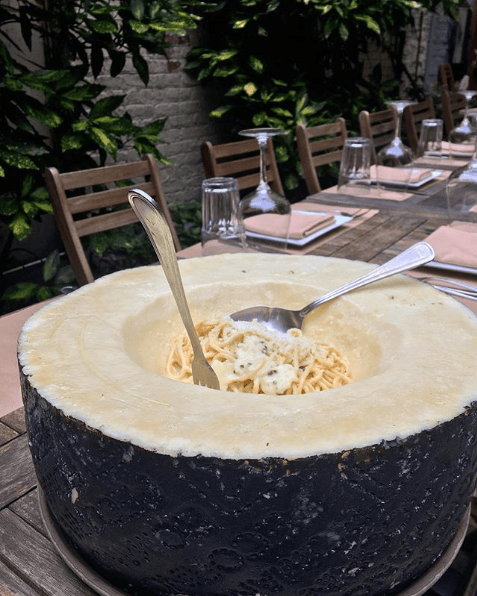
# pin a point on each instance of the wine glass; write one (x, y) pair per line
(465, 132)
(263, 200)
(461, 189)
(396, 154)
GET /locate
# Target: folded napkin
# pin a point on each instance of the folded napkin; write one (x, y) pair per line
(321, 207)
(387, 173)
(301, 224)
(455, 244)
(458, 148)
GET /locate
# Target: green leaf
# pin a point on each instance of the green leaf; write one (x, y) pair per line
(141, 67)
(137, 8)
(29, 209)
(12, 84)
(43, 115)
(102, 26)
(256, 64)
(80, 126)
(104, 140)
(221, 111)
(51, 266)
(20, 226)
(139, 28)
(241, 24)
(43, 293)
(21, 291)
(344, 33)
(2, 172)
(26, 186)
(8, 205)
(70, 142)
(370, 22)
(18, 161)
(84, 92)
(250, 89)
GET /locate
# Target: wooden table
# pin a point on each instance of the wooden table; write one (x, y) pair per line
(429, 201)
(29, 564)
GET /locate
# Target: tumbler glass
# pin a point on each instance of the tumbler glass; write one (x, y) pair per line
(354, 174)
(430, 138)
(222, 228)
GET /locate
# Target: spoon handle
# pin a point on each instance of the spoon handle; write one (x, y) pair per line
(416, 255)
(161, 239)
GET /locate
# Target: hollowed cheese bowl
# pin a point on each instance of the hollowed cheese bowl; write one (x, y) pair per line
(170, 488)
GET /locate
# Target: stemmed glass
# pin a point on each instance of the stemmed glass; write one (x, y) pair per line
(396, 154)
(263, 200)
(465, 132)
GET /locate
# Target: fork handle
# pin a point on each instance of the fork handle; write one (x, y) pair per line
(416, 255)
(161, 239)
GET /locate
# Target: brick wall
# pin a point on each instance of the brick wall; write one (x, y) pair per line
(172, 94)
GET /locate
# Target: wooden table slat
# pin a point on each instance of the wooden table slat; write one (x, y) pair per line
(16, 470)
(35, 560)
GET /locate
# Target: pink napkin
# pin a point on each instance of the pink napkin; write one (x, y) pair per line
(301, 224)
(398, 174)
(455, 244)
(458, 148)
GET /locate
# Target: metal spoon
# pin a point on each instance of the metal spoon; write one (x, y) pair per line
(160, 236)
(283, 319)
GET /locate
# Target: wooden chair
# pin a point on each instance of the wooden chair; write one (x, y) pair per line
(380, 127)
(86, 202)
(413, 115)
(453, 105)
(241, 160)
(318, 146)
(446, 76)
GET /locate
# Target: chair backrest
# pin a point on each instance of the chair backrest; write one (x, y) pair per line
(453, 105)
(85, 202)
(241, 160)
(446, 76)
(380, 127)
(319, 145)
(413, 115)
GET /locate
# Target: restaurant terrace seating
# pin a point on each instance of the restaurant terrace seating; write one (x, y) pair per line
(413, 115)
(87, 202)
(318, 146)
(453, 105)
(241, 160)
(380, 127)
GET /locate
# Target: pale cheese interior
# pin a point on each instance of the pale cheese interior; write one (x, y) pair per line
(99, 354)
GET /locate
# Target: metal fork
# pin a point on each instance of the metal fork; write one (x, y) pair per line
(160, 236)
(452, 287)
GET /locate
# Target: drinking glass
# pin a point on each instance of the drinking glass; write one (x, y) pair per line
(396, 154)
(263, 200)
(465, 133)
(430, 138)
(461, 189)
(354, 174)
(222, 228)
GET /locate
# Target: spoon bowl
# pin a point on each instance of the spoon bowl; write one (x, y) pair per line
(283, 319)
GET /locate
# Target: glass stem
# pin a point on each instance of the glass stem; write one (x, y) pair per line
(398, 125)
(262, 143)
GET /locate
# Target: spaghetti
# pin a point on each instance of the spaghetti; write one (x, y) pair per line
(249, 357)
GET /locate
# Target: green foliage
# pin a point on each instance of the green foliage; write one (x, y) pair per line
(188, 220)
(56, 276)
(54, 115)
(278, 63)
